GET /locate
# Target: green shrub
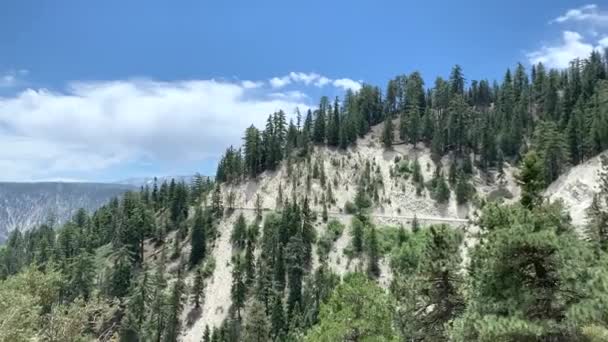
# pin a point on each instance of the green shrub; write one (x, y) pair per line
(350, 208)
(335, 229)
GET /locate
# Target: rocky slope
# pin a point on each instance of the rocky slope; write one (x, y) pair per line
(576, 188)
(24, 205)
(397, 203)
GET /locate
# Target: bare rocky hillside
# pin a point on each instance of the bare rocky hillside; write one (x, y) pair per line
(576, 188)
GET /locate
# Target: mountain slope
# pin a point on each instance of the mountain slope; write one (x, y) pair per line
(576, 188)
(24, 205)
(397, 204)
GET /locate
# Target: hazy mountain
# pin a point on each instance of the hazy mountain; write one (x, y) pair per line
(24, 205)
(150, 180)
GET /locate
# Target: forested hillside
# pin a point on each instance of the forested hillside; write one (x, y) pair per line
(328, 227)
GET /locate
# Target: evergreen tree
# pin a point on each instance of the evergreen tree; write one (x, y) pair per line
(373, 268)
(387, 132)
(430, 298)
(198, 239)
(521, 286)
(175, 307)
(333, 127)
(596, 230)
(207, 334)
(296, 259)
(239, 233)
(441, 191)
(197, 288)
(237, 291)
(257, 326)
(277, 322)
(320, 121)
(249, 264)
(216, 202)
(357, 231)
(531, 180)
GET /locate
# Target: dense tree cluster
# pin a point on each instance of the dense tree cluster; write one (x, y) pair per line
(562, 114)
(95, 261)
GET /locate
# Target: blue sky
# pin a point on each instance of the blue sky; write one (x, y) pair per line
(115, 89)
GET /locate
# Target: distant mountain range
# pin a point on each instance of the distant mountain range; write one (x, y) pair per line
(150, 180)
(25, 205)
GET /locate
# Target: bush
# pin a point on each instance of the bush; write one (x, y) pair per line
(350, 208)
(324, 244)
(208, 267)
(335, 229)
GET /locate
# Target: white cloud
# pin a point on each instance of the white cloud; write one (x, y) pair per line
(279, 82)
(347, 83)
(322, 81)
(94, 126)
(588, 13)
(314, 79)
(559, 56)
(252, 84)
(603, 42)
(300, 77)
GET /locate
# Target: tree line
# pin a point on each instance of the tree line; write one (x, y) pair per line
(562, 114)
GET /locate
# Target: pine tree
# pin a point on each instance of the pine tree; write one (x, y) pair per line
(198, 240)
(531, 180)
(333, 127)
(135, 312)
(120, 279)
(373, 268)
(257, 326)
(249, 264)
(216, 202)
(357, 231)
(175, 307)
(258, 207)
(596, 230)
(237, 292)
(239, 233)
(522, 271)
(278, 324)
(197, 288)
(388, 136)
(441, 191)
(415, 224)
(435, 283)
(296, 259)
(320, 121)
(158, 314)
(207, 334)
(413, 125)
(463, 189)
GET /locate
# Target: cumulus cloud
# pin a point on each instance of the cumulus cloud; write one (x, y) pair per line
(314, 79)
(559, 56)
(587, 13)
(252, 84)
(347, 83)
(279, 82)
(93, 126)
